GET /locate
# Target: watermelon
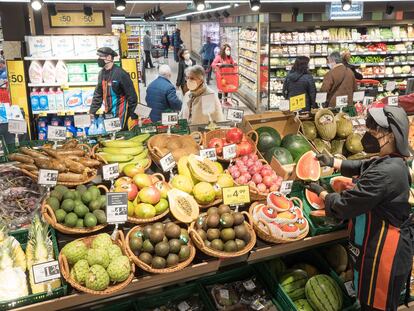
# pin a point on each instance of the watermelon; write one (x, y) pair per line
(293, 283)
(268, 138)
(314, 200)
(308, 167)
(302, 305)
(341, 183)
(281, 154)
(296, 144)
(323, 293)
(277, 267)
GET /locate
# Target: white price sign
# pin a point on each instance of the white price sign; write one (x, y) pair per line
(284, 105)
(46, 271)
(390, 86)
(349, 286)
(286, 187)
(56, 132)
(393, 101)
(229, 152)
(110, 171)
(82, 120)
(116, 207)
(209, 153)
(380, 88)
(17, 126)
(143, 111)
(358, 96)
(169, 118)
(112, 125)
(149, 129)
(47, 177)
(235, 115)
(368, 100)
(341, 101)
(167, 162)
(321, 97)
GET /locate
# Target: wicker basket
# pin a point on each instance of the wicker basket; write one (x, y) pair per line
(148, 268)
(65, 269)
(222, 134)
(34, 176)
(49, 215)
(214, 203)
(198, 241)
(265, 234)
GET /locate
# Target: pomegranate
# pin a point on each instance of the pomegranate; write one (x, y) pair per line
(244, 148)
(234, 135)
(216, 143)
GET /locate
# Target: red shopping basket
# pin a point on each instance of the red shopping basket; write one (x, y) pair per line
(227, 77)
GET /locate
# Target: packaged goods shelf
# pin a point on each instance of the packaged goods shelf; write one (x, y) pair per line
(342, 41)
(64, 58)
(88, 83)
(248, 58)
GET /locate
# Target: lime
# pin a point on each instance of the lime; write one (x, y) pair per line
(87, 197)
(68, 205)
(79, 223)
(78, 202)
(71, 220)
(100, 216)
(94, 191)
(69, 195)
(102, 201)
(90, 220)
(77, 195)
(81, 210)
(60, 215)
(53, 203)
(56, 194)
(81, 188)
(62, 189)
(161, 206)
(94, 205)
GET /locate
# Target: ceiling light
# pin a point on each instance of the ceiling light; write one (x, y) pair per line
(200, 5)
(120, 5)
(255, 5)
(52, 9)
(36, 4)
(87, 10)
(236, 5)
(389, 9)
(226, 14)
(346, 5)
(195, 13)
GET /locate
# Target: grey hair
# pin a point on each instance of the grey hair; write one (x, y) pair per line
(336, 57)
(197, 71)
(164, 71)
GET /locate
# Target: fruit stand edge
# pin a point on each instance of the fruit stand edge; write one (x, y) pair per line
(193, 272)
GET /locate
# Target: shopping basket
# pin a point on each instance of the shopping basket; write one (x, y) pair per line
(227, 77)
(156, 53)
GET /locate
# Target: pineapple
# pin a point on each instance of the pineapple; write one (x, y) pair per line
(39, 249)
(19, 258)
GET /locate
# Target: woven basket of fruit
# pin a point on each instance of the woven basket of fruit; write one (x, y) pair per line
(160, 248)
(96, 264)
(222, 233)
(76, 211)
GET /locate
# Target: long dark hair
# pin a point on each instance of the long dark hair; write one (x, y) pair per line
(223, 50)
(181, 53)
(301, 64)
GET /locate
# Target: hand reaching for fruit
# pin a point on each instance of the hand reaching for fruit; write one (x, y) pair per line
(325, 160)
(316, 188)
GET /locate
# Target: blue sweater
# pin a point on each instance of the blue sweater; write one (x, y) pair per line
(161, 97)
(207, 51)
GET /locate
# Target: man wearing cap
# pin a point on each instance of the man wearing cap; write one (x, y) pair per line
(381, 233)
(115, 89)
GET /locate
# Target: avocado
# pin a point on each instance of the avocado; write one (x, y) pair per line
(238, 218)
(202, 234)
(175, 246)
(240, 244)
(147, 246)
(184, 237)
(100, 216)
(213, 221)
(172, 260)
(146, 257)
(156, 235)
(241, 231)
(162, 249)
(217, 244)
(135, 244)
(212, 210)
(173, 231)
(227, 234)
(227, 220)
(184, 252)
(230, 246)
(158, 262)
(223, 209)
(158, 225)
(213, 234)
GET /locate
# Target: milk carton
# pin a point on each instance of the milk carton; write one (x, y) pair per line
(39, 46)
(62, 46)
(85, 46)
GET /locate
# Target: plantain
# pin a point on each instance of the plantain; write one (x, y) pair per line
(140, 138)
(113, 158)
(121, 143)
(126, 151)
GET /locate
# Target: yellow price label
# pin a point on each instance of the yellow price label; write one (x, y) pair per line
(60, 113)
(70, 113)
(43, 114)
(77, 19)
(298, 102)
(236, 195)
(130, 66)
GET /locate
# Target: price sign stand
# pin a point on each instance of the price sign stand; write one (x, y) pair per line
(235, 115)
(47, 178)
(229, 152)
(116, 210)
(45, 272)
(169, 119)
(55, 134)
(286, 187)
(321, 99)
(236, 196)
(82, 121)
(167, 164)
(110, 172)
(16, 127)
(112, 125)
(341, 102)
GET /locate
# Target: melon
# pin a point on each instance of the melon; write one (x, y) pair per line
(309, 269)
(344, 125)
(353, 143)
(323, 293)
(281, 154)
(302, 305)
(325, 124)
(314, 200)
(337, 257)
(296, 144)
(293, 283)
(341, 183)
(268, 138)
(308, 167)
(309, 130)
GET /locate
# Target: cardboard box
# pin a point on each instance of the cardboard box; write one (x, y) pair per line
(62, 46)
(74, 68)
(77, 77)
(85, 46)
(39, 46)
(108, 41)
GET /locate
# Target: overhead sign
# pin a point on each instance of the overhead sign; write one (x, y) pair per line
(71, 19)
(337, 13)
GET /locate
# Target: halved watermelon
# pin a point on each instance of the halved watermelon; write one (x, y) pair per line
(341, 183)
(308, 167)
(314, 200)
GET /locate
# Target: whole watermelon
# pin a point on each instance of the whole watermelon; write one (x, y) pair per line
(293, 283)
(323, 293)
(302, 305)
(268, 138)
(281, 154)
(296, 144)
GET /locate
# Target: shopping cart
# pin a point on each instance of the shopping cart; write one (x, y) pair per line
(157, 53)
(227, 79)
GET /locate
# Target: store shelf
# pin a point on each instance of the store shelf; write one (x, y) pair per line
(281, 79)
(247, 77)
(382, 52)
(248, 68)
(404, 75)
(64, 58)
(247, 49)
(342, 41)
(249, 40)
(89, 83)
(248, 58)
(60, 112)
(284, 67)
(384, 64)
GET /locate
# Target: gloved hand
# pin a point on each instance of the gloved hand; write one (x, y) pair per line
(316, 188)
(325, 160)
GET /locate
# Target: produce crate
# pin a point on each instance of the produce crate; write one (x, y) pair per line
(176, 294)
(117, 305)
(21, 236)
(181, 128)
(5, 151)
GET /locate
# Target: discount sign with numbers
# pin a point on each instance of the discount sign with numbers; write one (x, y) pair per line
(209, 153)
(236, 195)
(56, 132)
(116, 207)
(169, 118)
(46, 271)
(393, 101)
(229, 152)
(297, 103)
(110, 171)
(112, 125)
(341, 101)
(48, 177)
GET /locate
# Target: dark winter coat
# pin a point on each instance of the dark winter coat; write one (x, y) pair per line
(176, 40)
(300, 83)
(182, 66)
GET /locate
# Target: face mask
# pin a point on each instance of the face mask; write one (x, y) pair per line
(371, 143)
(192, 85)
(228, 52)
(101, 62)
(186, 56)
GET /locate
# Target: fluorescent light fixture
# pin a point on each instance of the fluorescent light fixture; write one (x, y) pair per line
(120, 5)
(195, 13)
(36, 4)
(346, 5)
(255, 5)
(200, 5)
(182, 1)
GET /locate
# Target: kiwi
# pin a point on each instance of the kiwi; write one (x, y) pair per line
(207, 243)
(173, 231)
(147, 230)
(240, 231)
(212, 210)
(240, 244)
(223, 208)
(158, 262)
(145, 257)
(147, 246)
(156, 235)
(227, 220)
(158, 225)
(213, 234)
(202, 234)
(230, 246)
(217, 244)
(213, 221)
(184, 253)
(227, 234)
(238, 218)
(172, 260)
(162, 249)
(175, 246)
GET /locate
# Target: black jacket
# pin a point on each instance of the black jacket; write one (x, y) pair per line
(299, 83)
(166, 44)
(181, 71)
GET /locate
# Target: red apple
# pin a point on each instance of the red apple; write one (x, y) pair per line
(129, 188)
(234, 135)
(216, 143)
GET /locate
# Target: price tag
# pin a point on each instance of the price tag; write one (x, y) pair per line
(358, 96)
(82, 120)
(236, 195)
(393, 101)
(229, 152)
(112, 125)
(169, 118)
(110, 171)
(349, 286)
(209, 153)
(167, 162)
(183, 306)
(143, 111)
(297, 103)
(341, 101)
(235, 115)
(17, 126)
(368, 100)
(249, 285)
(46, 271)
(380, 88)
(56, 132)
(116, 207)
(284, 105)
(149, 129)
(321, 97)
(257, 305)
(390, 86)
(47, 177)
(224, 293)
(286, 187)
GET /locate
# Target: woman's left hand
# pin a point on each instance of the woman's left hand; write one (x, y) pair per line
(316, 188)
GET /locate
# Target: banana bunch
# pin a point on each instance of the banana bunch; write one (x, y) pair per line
(124, 152)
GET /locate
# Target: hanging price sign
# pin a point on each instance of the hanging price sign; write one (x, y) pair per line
(112, 125)
(236, 195)
(17, 126)
(110, 171)
(341, 101)
(297, 103)
(82, 120)
(209, 153)
(358, 96)
(229, 152)
(116, 207)
(286, 187)
(47, 177)
(368, 100)
(56, 132)
(169, 118)
(235, 115)
(167, 162)
(393, 101)
(46, 271)
(143, 111)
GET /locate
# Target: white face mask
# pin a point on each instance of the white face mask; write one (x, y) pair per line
(192, 85)
(186, 56)
(228, 52)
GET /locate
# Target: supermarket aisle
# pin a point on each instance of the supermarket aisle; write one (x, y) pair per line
(153, 73)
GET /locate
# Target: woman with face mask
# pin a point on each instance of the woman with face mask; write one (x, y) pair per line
(185, 62)
(199, 95)
(381, 233)
(223, 58)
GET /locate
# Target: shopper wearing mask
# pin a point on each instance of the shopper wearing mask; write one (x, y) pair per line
(185, 62)
(381, 233)
(339, 81)
(161, 94)
(300, 81)
(147, 50)
(165, 40)
(192, 103)
(224, 58)
(346, 57)
(207, 55)
(115, 89)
